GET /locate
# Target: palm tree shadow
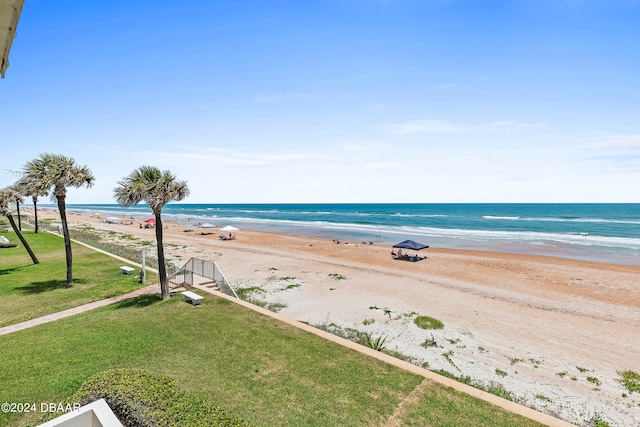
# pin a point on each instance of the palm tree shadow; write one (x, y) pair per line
(46, 286)
(139, 302)
(11, 270)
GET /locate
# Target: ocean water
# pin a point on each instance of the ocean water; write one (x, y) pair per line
(602, 232)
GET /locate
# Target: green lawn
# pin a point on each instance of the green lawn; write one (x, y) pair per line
(263, 370)
(28, 290)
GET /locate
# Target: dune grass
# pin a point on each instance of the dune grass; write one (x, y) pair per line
(28, 290)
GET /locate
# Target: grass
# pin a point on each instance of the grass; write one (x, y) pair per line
(28, 290)
(427, 322)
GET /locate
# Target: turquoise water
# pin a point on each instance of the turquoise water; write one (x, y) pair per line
(606, 232)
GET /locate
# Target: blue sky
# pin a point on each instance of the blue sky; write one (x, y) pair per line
(333, 100)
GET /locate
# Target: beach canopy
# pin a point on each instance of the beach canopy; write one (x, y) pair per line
(150, 220)
(229, 228)
(410, 244)
(206, 225)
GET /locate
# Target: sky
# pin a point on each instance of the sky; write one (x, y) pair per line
(333, 101)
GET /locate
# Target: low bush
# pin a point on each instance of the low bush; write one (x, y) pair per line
(140, 398)
(426, 322)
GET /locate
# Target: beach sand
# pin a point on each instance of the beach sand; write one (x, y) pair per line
(553, 332)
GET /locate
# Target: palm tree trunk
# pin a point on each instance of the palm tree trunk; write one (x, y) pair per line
(35, 212)
(21, 237)
(67, 239)
(162, 270)
(19, 220)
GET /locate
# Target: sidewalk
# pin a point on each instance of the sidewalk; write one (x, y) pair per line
(147, 290)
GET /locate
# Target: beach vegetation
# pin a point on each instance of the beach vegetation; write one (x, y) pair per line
(156, 188)
(536, 363)
(367, 322)
(582, 370)
(501, 373)
(55, 173)
(429, 342)
(247, 293)
(427, 322)
(596, 421)
(562, 374)
(275, 306)
(542, 397)
(492, 387)
(337, 276)
(630, 380)
(448, 356)
(95, 238)
(376, 343)
(292, 286)
(594, 380)
(514, 360)
(7, 196)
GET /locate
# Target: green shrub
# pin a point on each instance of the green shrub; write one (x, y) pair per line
(426, 322)
(140, 398)
(371, 342)
(631, 380)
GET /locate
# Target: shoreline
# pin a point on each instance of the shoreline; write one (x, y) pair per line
(554, 332)
(567, 244)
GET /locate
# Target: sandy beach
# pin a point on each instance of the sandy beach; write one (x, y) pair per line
(554, 332)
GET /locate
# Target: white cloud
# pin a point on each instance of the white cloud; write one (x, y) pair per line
(614, 141)
(441, 126)
(274, 97)
(381, 165)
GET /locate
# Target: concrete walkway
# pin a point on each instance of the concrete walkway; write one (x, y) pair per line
(147, 290)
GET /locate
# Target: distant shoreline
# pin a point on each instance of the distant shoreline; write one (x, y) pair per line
(504, 232)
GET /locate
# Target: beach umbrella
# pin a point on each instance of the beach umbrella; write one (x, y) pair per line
(229, 228)
(150, 220)
(206, 225)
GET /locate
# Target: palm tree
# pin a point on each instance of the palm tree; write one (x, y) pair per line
(16, 197)
(31, 188)
(8, 195)
(156, 188)
(57, 172)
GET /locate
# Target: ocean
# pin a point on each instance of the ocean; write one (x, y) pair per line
(600, 232)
